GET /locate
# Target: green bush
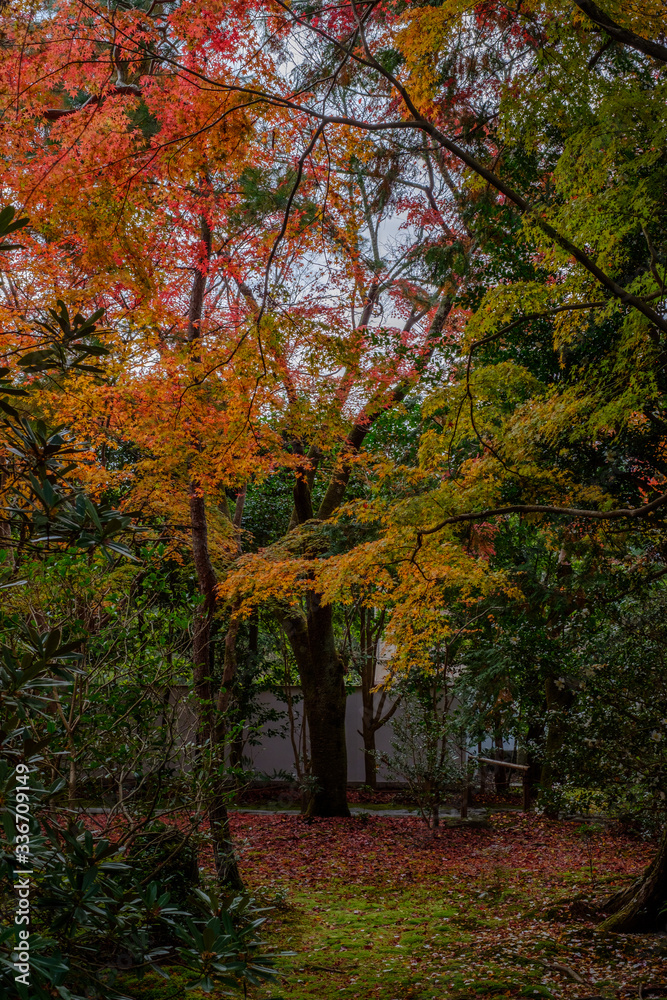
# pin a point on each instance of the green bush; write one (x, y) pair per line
(165, 856)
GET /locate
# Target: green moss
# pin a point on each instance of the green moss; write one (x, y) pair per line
(365, 943)
(432, 940)
(429, 942)
(154, 987)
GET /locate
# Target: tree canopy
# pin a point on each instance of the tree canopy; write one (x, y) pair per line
(326, 324)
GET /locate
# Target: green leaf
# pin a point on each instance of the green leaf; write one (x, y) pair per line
(36, 358)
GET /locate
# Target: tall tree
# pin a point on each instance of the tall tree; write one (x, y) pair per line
(518, 208)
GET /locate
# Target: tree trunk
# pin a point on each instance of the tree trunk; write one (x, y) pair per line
(227, 701)
(639, 906)
(324, 701)
(373, 715)
(367, 673)
(370, 761)
(201, 638)
(321, 671)
(482, 771)
(500, 774)
(224, 854)
(228, 693)
(558, 700)
(531, 777)
(525, 790)
(311, 634)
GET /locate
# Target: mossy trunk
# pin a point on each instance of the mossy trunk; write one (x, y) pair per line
(641, 907)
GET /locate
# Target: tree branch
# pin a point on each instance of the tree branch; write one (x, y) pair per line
(55, 114)
(379, 404)
(623, 35)
(536, 508)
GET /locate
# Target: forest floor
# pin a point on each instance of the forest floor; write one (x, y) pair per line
(377, 908)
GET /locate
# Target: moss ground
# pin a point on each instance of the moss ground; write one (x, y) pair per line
(473, 915)
(444, 943)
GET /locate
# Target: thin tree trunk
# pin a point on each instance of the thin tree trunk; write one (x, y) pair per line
(202, 660)
(482, 771)
(226, 698)
(531, 777)
(201, 639)
(558, 701)
(226, 692)
(525, 792)
(294, 740)
(373, 716)
(368, 663)
(370, 760)
(500, 776)
(311, 634)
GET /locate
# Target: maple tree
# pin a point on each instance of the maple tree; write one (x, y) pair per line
(83, 913)
(299, 216)
(366, 359)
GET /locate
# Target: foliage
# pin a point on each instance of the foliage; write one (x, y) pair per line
(83, 914)
(398, 913)
(616, 671)
(426, 755)
(391, 279)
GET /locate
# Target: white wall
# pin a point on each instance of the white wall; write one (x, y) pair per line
(275, 752)
(270, 750)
